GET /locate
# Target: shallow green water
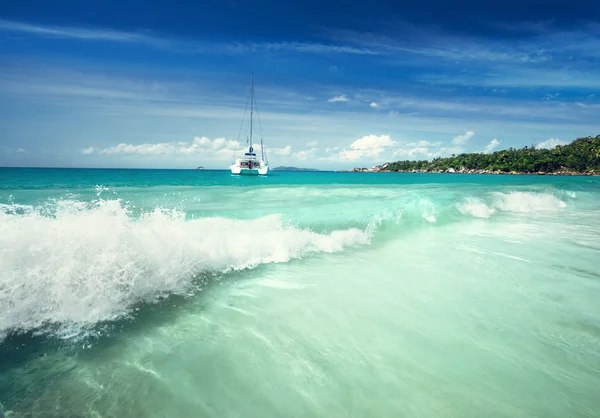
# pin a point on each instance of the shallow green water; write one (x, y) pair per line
(164, 293)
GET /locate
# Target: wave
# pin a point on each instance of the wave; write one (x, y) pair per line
(523, 202)
(476, 208)
(68, 265)
(92, 262)
(515, 202)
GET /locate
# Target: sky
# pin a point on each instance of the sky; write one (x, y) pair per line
(339, 84)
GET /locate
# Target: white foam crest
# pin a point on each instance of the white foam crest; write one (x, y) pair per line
(475, 207)
(91, 262)
(15, 208)
(428, 210)
(516, 202)
(527, 202)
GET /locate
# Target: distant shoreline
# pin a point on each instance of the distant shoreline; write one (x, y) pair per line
(581, 157)
(488, 172)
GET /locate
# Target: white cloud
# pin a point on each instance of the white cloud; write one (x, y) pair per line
(219, 148)
(551, 143)
(305, 154)
(336, 99)
(21, 150)
(424, 144)
(416, 150)
(370, 146)
(491, 146)
(312, 144)
(461, 139)
(412, 152)
(333, 149)
(372, 142)
(374, 105)
(426, 149)
(287, 150)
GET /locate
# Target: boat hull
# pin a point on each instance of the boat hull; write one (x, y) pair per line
(261, 171)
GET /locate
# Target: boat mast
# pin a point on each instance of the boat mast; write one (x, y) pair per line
(251, 105)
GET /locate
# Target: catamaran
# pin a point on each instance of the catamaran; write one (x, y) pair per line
(250, 163)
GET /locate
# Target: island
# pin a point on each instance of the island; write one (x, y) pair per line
(580, 157)
(284, 168)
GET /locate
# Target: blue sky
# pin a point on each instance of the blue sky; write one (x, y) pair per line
(338, 83)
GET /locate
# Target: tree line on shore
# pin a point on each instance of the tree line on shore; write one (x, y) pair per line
(580, 156)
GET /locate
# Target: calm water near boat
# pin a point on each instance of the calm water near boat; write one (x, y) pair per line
(196, 293)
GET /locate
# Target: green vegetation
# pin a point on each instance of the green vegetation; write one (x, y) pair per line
(580, 156)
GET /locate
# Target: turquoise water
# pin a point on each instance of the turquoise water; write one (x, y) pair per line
(171, 293)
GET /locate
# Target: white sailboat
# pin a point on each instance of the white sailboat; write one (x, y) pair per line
(250, 163)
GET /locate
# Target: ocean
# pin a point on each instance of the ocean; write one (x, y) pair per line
(190, 293)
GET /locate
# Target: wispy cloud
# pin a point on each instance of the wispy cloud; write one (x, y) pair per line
(536, 27)
(336, 99)
(429, 41)
(426, 41)
(178, 45)
(519, 78)
(74, 32)
(146, 95)
(552, 59)
(303, 47)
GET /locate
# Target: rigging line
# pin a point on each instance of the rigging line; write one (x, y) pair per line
(242, 124)
(262, 150)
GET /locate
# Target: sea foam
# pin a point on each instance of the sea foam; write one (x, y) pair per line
(515, 202)
(525, 202)
(476, 208)
(91, 262)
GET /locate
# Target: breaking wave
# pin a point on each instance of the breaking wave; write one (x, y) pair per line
(92, 262)
(69, 264)
(515, 202)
